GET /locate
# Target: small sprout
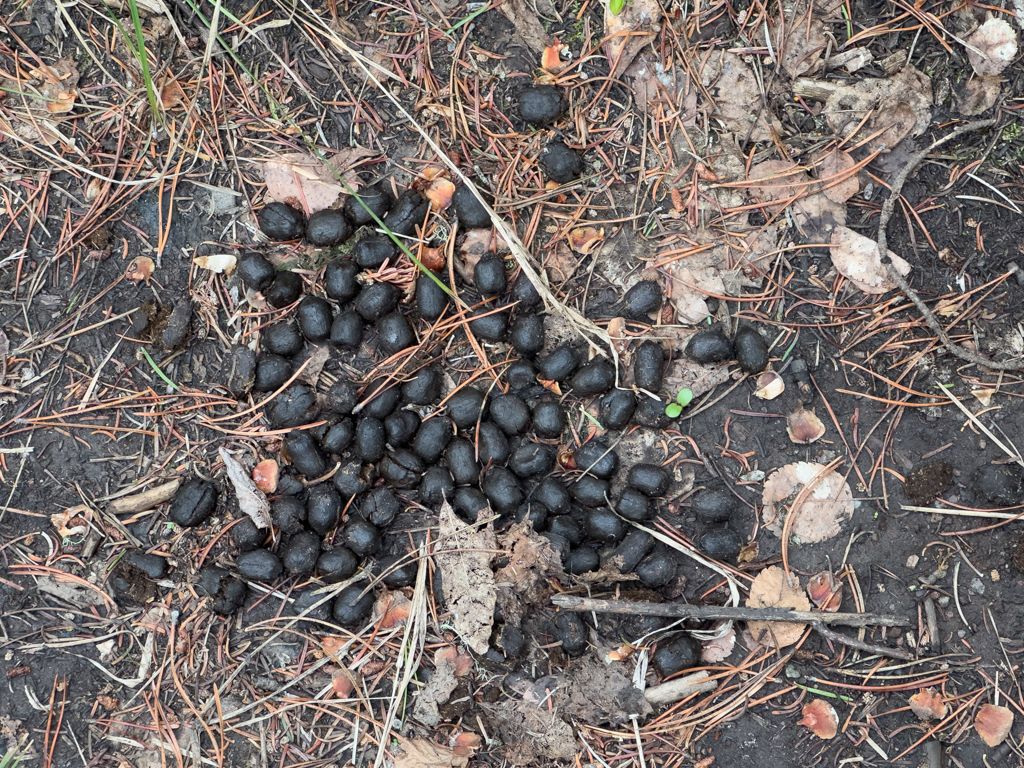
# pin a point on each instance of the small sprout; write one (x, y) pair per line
(616, 6)
(683, 399)
(821, 718)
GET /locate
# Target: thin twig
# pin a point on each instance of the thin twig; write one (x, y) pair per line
(883, 221)
(860, 645)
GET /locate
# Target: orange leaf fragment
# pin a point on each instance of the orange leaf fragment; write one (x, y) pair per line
(993, 724)
(461, 661)
(821, 718)
(465, 744)
(439, 193)
(927, 704)
(586, 239)
(432, 258)
(141, 268)
(332, 645)
(825, 592)
(171, 94)
(551, 59)
(265, 475)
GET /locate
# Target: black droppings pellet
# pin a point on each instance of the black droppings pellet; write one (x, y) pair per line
(511, 414)
(673, 656)
(750, 350)
(512, 641)
(372, 252)
(521, 375)
(288, 514)
(571, 632)
(283, 338)
(341, 280)
(424, 388)
(489, 275)
(327, 228)
(246, 536)
(490, 325)
(560, 163)
(395, 333)
(371, 440)
(582, 560)
(259, 565)
(632, 549)
(300, 554)
(281, 222)
(715, 504)
(709, 346)
(532, 459)
(651, 413)
(401, 427)
(649, 479)
(361, 536)
(381, 506)
(597, 458)
(228, 593)
(193, 503)
(402, 468)
(649, 366)
(407, 213)
(641, 300)
(351, 480)
(590, 491)
(634, 505)
(470, 503)
(461, 459)
(616, 409)
(593, 378)
(548, 419)
(466, 407)
(153, 566)
(431, 299)
(315, 318)
(525, 292)
(527, 335)
(542, 104)
(1001, 484)
(337, 564)
(566, 528)
(382, 398)
(472, 215)
(721, 544)
(398, 571)
(294, 407)
(272, 371)
(492, 444)
(338, 437)
(657, 570)
(377, 198)
(347, 330)
(376, 300)
(553, 495)
(342, 397)
(352, 606)
(305, 455)
(255, 270)
(436, 486)
(605, 526)
(502, 490)
(432, 438)
(284, 290)
(323, 508)
(559, 364)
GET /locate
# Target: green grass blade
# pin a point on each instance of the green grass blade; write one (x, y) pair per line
(156, 368)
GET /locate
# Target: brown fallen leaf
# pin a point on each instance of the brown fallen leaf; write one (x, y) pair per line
(463, 555)
(993, 46)
(993, 724)
(805, 39)
(773, 589)
(141, 268)
(825, 592)
(928, 704)
(528, 29)
(821, 718)
(300, 179)
(834, 165)
(421, 753)
(857, 258)
(629, 32)
(738, 98)
(979, 94)
(823, 510)
(804, 427)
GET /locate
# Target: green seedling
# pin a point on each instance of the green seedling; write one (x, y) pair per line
(616, 6)
(683, 399)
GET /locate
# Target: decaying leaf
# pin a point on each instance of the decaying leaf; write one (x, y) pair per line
(928, 704)
(141, 268)
(217, 262)
(979, 94)
(805, 39)
(821, 718)
(834, 166)
(993, 724)
(463, 555)
(857, 258)
(421, 753)
(391, 609)
(772, 589)
(586, 239)
(719, 649)
(825, 592)
(823, 510)
(527, 26)
(992, 47)
(738, 97)
(299, 179)
(804, 427)
(629, 32)
(251, 500)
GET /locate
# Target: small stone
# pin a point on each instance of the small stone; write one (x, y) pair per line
(710, 346)
(259, 565)
(542, 104)
(327, 228)
(560, 163)
(281, 222)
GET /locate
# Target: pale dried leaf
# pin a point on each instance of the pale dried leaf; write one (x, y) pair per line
(805, 40)
(70, 591)
(833, 166)
(630, 32)
(804, 427)
(421, 753)
(772, 589)
(217, 262)
(739, 100)
(720, 648)
(993, 46)
(979, 94)
(141, 268)
(857, 258)
(463, 555)
(251, 500)
(586, 239)
(297, 178)
(823, 510)
(993, 724)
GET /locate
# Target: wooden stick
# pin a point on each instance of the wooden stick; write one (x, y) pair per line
(683, 611)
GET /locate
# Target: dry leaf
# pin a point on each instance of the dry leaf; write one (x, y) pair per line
(630, 32)
(465, 744)
(833, 166)
(528, 29)
(461, 661)
(979, 95)
(251, 500)
(140, 268)
(421, 753)
(737, 97)
(772, 589)
(560, 263)
(265, 475)
(171, 94)
(804, 427)
(58, 100)
(391, 609)
(586, 239)
(464, 559)
(856, 257)
(821, 718)
(993, 724)
(928, 704)
(805, 40)
(825, 592)
(108, 702)
(984, 396)
(217, 262)
(720, 648)
(823, 510)
(334, 646)
(993, 46)
(343, 683)
(298, 179)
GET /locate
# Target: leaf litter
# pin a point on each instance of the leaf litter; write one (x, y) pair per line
(822, 512)
(463, 555)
